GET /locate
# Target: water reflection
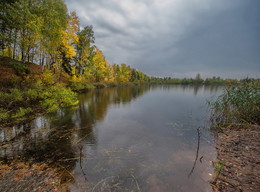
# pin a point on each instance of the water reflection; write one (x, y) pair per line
(121, 139)
(54, 139)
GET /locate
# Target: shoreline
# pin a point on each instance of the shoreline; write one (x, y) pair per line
(37, 110)
(238, 157)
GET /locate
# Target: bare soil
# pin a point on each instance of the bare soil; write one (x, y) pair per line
(238, 149)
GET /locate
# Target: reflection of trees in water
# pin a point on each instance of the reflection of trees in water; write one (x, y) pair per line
(213, 88)
(56, 142)
(44, 143)
(96, 102)
(195, 88)
(93, 107)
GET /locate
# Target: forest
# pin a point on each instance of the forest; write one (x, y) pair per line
(45, 33)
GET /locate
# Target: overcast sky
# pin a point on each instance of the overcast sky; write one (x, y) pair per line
(177, 38)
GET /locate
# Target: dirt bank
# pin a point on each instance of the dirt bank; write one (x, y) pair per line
(238, 155)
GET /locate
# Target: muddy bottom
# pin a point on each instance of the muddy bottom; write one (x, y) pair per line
(238, 154)
(20, 176)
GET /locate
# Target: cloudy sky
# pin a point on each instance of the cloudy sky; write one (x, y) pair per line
(177, 38)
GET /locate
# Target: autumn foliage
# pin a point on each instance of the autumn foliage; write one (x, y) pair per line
(45, 33)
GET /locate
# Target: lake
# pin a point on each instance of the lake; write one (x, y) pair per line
(145, 138)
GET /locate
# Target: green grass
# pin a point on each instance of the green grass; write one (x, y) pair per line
(238, 105)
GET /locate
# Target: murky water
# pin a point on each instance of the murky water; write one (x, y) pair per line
(124, 139)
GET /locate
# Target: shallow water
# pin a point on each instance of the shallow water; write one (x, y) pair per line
(124, 139)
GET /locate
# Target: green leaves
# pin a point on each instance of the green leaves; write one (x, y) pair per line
(40, 98)
(55, 96)
(21, 112)
(3, 114)
(32, 25)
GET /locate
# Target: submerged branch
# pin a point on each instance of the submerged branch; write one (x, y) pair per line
(197, 152)
(137, 185)
(80, 154)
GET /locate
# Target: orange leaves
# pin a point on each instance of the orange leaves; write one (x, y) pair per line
(24, 177)
(4, 169)
(73, 27)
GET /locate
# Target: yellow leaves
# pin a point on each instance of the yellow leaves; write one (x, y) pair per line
(70, 52)
(100, 65)
(73, 25)
(7, 52)
(72, 29)
(73, 73)
(48, 77)
(67, 46)
(69, 36)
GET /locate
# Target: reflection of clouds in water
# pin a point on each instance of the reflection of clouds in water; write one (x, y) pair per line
(123, 131)
(93, 106)
(171, 174)
(175, 125)
(161, 175)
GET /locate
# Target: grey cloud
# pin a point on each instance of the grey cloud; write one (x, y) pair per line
(177, 37)
(109, 28)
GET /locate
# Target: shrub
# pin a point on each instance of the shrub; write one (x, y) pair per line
(22, 112)
(40, 97)
(112, 84)
(13, 96)
(238, 104)
(16, 95)
(56, 96)
(32, 94)
(48, 78)
(3, 114)
(79, 86)
(100, 85)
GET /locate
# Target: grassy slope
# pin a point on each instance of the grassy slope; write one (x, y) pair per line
(25, 90)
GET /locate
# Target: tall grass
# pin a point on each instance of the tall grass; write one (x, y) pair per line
(238, 104)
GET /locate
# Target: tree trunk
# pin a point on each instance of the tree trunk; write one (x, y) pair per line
(42, 63)
(14, 50)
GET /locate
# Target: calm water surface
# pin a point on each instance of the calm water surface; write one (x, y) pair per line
(124, 139)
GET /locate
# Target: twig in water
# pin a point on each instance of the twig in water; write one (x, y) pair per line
(197, 152)
(63, 168)
(136, 183)
(77, 142)
(103, 180)
(201, 159)
(80, 154)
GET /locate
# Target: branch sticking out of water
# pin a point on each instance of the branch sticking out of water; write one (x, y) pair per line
(197, 152)
(137, 185)
(80, 154)
(103, 180)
